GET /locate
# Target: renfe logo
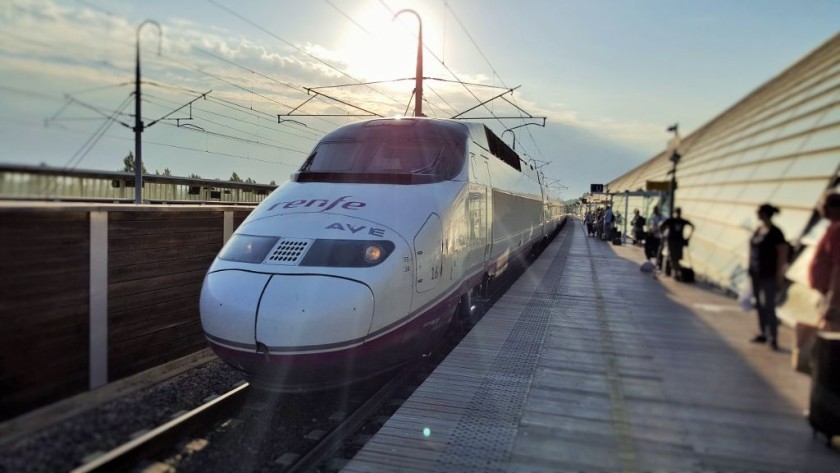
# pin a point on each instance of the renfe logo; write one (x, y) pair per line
(326, 204)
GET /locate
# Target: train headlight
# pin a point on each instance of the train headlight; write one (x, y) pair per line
(247, 248)
(373, 254)
(347, 253)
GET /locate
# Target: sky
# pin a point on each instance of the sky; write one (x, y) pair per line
(226, 85)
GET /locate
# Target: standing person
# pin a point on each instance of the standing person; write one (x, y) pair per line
(589, 220)
(674, 234)
(638, 224)
(824, 272)
(653, 241)
(768, 263)
(608, 223)
(599, 223)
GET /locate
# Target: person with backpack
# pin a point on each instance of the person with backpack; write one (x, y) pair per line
(768, 263)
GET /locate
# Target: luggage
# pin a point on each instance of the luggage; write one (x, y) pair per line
(686, 275)
(824, 411)
(805, 336)
(647, 267)
(616, 239)
(651, 246)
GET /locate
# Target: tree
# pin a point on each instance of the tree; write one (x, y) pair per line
(272, 183)
(250, 181)
(235, 178)
(167, 172)
(128, 164)
(195, 176)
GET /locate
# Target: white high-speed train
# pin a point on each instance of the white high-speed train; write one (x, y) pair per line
(359, 263)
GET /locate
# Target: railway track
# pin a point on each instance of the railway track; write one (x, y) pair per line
(159, 439)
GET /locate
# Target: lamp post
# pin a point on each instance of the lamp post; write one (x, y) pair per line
(675, 159)
(418, 79)
(138, 119)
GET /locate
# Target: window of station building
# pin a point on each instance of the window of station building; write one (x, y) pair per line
(833, 114)
(821, 164)
(802, 123)
(771, 170)
(822, 139)
(792, 222)
(756, 193)
(803, 193)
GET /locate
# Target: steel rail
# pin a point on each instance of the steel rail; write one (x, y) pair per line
(335, 438)
(145, 446)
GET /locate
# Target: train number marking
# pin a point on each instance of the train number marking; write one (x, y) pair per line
(379, 232)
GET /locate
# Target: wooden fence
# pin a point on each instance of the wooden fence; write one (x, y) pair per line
(93, 293)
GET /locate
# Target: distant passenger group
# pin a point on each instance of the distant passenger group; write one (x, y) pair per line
(769, 256)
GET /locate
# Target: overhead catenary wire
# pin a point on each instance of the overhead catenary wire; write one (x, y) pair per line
(232, 63)
(240, 87)
(235, 138)
(88, 145)
(170, 145)
(229, 117)
(493, 69)
(278, 144)
(308, 54)
(241, 108)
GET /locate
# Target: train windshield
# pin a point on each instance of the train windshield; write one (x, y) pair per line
(388, 153)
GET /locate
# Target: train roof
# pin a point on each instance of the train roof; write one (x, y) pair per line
(479, 133)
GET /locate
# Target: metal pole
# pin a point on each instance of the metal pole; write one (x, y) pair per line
(626, 210)
(673, 190)
(138, 130)
(138, 120)
(418, 80)
(675, 158)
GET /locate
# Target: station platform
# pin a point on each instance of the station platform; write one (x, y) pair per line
(588, 364)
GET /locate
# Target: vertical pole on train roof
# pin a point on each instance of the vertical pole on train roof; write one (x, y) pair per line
(138, 119)
(418, 79)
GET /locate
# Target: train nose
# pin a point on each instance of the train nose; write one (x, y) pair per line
(301, 313)
(285, 313)
(228, 306)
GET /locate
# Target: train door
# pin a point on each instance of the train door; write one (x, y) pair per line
(484, 173)
(428, 254)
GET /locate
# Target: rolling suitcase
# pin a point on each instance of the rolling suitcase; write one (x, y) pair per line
(824, 410)
(686, 275)
(616, 239)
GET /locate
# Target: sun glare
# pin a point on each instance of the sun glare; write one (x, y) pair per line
(387, 49)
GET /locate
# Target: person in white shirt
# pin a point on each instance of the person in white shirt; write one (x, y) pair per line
(653, 242)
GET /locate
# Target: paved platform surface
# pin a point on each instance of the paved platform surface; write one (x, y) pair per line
(588, 364)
